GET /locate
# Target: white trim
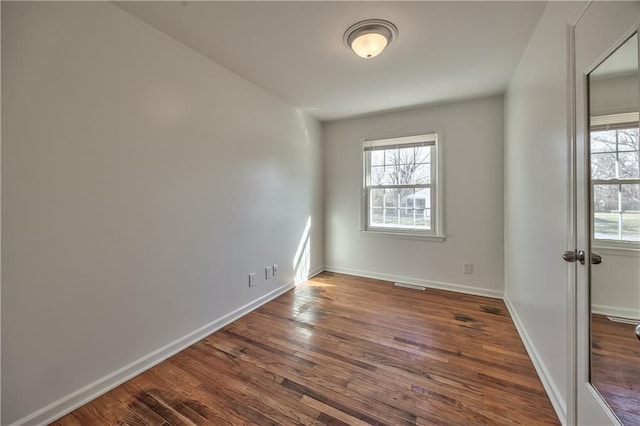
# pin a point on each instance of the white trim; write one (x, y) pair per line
(67, 404)
(571, 411)
(439, 184)
(623, 320)
(426, 139)
(573, 21)
(559, 405)
(613, 311)
(619, 249)
(436, 184)
(458, 288)
(397, 233)
(404, 136)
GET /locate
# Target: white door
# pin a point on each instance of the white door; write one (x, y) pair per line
(601, 30)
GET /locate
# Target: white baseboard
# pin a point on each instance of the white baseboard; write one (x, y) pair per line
(101, 386)
(559, 404)
(612, 311)
(459, 288)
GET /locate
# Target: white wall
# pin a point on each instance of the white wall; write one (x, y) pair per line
(141, 183)
(536, 198)
(615, 283)
(472, 142)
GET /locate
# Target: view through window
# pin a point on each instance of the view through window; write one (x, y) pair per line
(400, 184)
(615, 173)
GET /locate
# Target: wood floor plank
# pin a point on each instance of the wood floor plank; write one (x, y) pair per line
(342, 350)
(615, 367)
(252, 391)
(333, 412)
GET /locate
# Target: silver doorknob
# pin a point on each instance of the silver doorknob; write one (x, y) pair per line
(638, 331)
(573, 256)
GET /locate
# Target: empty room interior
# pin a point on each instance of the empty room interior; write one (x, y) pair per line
(320, 212)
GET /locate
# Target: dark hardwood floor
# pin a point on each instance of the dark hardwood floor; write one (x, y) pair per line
(615, 367)
(343, 350)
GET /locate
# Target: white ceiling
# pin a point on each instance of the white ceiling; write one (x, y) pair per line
(445, 51)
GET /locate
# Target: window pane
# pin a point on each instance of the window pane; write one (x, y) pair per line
(390, 216)
(377, 175)
(406, 156)
(375, 218)
(381, 175)
(423, 198)
(630, 195)
(377, 158)
(603, 141)
(391, 198)
(606, 226)
(402, 174)
(406, 197)
(391, 175)
(376, 197)
(606, 216)
(423, 154)
(390, 156)
(603, 166)
(421, 174)
(631, 226)
(629, 165)
(393, 208)
(406, 218)
(628, 140)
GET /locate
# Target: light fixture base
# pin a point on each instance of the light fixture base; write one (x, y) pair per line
(371, 26)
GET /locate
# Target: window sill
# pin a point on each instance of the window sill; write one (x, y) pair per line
(403, 235)
(601, 247)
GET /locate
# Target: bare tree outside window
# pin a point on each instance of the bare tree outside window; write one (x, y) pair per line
(405, 166)
(615, 174)
(400, 193)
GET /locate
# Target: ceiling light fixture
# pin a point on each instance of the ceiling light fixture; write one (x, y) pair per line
(369, 38)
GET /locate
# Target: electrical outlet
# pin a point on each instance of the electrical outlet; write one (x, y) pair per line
(252, 279)
(268, 272)
(467, 268)
(275, 269)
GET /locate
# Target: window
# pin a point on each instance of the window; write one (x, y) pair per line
(401, 185)
(615, 177)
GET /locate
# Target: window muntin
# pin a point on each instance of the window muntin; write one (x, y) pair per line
(615, 178)
(400, 185)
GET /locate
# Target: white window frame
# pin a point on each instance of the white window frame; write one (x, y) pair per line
(611, 122)
(432, 138)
